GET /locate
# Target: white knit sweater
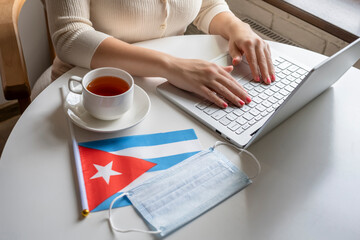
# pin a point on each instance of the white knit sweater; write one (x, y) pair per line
(77, 27)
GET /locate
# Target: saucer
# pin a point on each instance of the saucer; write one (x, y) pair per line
(80, 117)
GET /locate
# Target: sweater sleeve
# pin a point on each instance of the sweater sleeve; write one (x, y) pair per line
(209, 9)
(74, 38)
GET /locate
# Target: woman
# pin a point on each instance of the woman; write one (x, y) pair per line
(99, 33)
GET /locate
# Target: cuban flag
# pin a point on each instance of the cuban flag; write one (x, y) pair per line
(113, 166)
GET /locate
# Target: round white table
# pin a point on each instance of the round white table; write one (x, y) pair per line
(308, 188)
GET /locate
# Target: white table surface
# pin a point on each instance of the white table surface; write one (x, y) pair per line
(308, 188)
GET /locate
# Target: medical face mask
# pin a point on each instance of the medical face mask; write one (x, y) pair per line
(183, 192)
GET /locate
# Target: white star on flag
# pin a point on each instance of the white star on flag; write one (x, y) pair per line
(105, 172)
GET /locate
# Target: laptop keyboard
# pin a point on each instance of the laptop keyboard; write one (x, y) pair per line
(265, 98)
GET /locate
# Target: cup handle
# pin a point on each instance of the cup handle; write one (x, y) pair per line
(71, 86)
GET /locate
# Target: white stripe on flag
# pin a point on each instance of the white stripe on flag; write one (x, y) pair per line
(163, 150)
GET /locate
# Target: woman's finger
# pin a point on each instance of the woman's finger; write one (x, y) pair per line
(228, 69)
(235, 53)
(210, 95)
(229, 95)
(262, 63)
(232, 79)
(229, 88)
(252, 61)
(269, 63)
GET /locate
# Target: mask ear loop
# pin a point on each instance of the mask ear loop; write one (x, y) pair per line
(218, 143)
(126, 230)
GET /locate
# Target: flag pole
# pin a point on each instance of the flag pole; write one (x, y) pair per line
(84, 204)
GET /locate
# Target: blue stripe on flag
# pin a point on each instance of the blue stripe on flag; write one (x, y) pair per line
(116, 144)
(168, 161)
(119, 203)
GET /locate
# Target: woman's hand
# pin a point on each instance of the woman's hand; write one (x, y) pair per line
(208, 80)
(242, 40)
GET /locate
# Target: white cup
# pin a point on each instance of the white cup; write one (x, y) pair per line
(104, 107)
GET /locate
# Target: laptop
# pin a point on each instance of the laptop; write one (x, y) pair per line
(296, 85)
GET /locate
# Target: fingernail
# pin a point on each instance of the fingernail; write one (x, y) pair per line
(268, 80)
(225, 105)
(257, 79)
(236, 60)
(248, 100)
(272, 77)
(242, 103)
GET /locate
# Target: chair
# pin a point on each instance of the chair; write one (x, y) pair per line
(26, 51)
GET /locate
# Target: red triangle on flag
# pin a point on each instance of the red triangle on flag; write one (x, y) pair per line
(124, 170)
